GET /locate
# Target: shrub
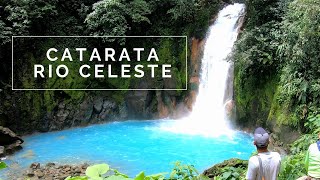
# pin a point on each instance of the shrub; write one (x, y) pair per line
(2, 165)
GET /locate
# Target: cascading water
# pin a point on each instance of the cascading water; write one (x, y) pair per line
(209, 116)
(131, 146)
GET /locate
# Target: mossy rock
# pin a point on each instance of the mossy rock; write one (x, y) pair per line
(217, 168)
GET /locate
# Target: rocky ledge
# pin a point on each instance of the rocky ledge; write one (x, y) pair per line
(9, 141)
(51, 171)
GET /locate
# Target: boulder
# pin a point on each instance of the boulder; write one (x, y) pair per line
(2, 152)
(136, 102)
(35, 165)
(84, 113)
(50, 164)
(123, 111)
(107, 109)
(50, 171)
(97, 104)
(9, 140)
(30, 173)
(38, 173)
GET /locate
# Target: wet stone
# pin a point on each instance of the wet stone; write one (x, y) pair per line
(35, 165)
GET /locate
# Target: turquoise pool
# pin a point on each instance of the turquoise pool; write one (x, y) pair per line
(131, 147)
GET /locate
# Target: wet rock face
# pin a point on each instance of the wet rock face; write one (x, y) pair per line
(2, 151)
(137, 101)
(3, 118)
(93, 109)
(9, 141)
(99, 107)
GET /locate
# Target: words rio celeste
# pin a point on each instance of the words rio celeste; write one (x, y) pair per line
(100, 69)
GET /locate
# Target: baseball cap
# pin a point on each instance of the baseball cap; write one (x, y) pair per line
(261, 137)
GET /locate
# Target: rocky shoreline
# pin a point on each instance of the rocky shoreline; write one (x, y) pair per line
(50, 171)
(9, 142)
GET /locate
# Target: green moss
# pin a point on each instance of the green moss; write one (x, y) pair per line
(118, 97)
(260, 102)
(253, 100)
(281, 113)
(37, 102)
(183, 73)
(49, 101)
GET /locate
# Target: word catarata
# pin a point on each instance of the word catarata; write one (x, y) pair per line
(97, 71)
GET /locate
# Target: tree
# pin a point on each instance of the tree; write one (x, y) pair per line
(112, 17)
(300, 81)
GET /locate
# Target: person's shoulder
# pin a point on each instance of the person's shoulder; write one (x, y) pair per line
(276, 155)
(253, 160)
(313, 147)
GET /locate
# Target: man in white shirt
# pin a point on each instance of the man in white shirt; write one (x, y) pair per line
(265, 165)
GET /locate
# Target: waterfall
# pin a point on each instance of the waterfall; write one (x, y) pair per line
(209, 116)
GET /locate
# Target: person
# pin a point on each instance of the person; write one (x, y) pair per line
(265, 165)
(312, 161)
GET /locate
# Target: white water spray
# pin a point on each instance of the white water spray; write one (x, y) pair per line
(208, 116)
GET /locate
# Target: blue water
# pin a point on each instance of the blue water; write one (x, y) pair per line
(131, 147)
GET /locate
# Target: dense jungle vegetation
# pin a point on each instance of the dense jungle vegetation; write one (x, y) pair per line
(277, 74)
(277, 71)
(90, 18)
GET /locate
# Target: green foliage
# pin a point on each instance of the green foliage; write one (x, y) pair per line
(23, 15)
(5, 33)
(142, 176)
(300, 78)
(103, 172)
(183, 10)
(281, 39)
(228, 169)
(97, 171)
(260, 12)
(77, 178)
(107, 19)
(263, 100)
(203, 14)
(232, 173)
(313, 124)
(256, 50)
(83, 18)
(110, 17)
(117, 173)
(257, 64)
(301, 145)
(3, 165)
(123, 17)
(185, 172)
(138, 10)
(292, 167)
